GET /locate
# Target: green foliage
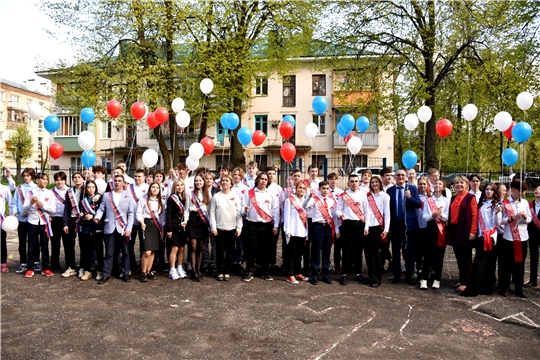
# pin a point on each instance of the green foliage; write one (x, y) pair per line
(19, 147)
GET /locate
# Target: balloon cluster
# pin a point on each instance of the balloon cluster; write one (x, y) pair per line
(229, 121)
(286, 130)
(520, 132)
(345, 129)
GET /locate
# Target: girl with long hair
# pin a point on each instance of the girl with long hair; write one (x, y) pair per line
(90, 233)
(176, 229)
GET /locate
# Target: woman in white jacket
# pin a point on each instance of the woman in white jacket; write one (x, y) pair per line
(295, 229)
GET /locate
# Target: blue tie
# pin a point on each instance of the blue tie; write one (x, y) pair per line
(400, 203)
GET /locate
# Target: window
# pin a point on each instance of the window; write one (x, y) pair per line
(1, 116)
(29, 101)
(106, 129)
(1, 135)
(292, 139)
(14, 98)
(75, 163)
(261, 86)
(40, 126)
(261, 123)
(262, 161)
(289, 91)
(318, 85)
(70, 126)
(375, 124)
(319, 160)
(349, 162)
(2, 96)
(320, 123)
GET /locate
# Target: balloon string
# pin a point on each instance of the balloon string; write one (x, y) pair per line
(317, 141)
(440, 154)
(521, 170)
(424, 152)
(202, 112)
(468, 145)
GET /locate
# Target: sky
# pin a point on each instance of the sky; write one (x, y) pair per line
(26, 44)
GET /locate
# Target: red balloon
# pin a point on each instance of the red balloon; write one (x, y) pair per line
(287, 151)
(114, 108)
(152, 121)
(286, 130)
(138, 110)
(162, 115)
(208, 145)
(56, 150)
(444, 128)
(349, 137)
(508, 132)
(258, 137)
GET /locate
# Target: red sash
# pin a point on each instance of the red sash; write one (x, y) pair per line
(178, 203)
(153, 215)
(199, 209)
(354, 206)
(117, 214)
(518, 256)
(267, 218)
(301, 212)
(533, 214)
(44, 219)
(441, 242)
(58, 197)
(375, 209)
(488, 246)
(21, 195)
(326, 215)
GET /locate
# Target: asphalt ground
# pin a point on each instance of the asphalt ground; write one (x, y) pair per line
(58, 318)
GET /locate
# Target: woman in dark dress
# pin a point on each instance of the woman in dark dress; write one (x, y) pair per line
(176, 229)
(90, 233)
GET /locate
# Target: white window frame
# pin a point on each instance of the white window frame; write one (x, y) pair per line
(323, 121)
(260, 82)
(104, 128)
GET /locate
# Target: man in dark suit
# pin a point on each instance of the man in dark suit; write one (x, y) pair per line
(404, 200)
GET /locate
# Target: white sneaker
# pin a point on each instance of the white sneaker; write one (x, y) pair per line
(81, 273)
(423, 284)
(173, 274)
(87, 275)
(99, 275)
(69, 272)
(436, 284)
(181, 272)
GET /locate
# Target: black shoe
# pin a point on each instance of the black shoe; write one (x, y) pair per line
(143, 278)
(267, 277)
(531, 284)
(504, 292)
(520, 293)
(327, 280)
(412, 281)
(126, 279)
(343, 280)
(200, 274)
(247, 277)
(195, 277)
(150, 276)
(313, 281)
(374, 285)
(361, 279)
(104, 280)
(396, 280)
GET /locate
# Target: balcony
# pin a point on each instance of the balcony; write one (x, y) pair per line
(370, 140)
(17, 106)
(70, 143)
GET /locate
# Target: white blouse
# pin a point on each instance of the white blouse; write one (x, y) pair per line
(521, 206)
(144, 213)
(420, 211)
(292, 223)
(441, 202)
(382, 200)
(491, 219)
(190, 206)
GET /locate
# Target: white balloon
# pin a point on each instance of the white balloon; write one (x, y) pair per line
(178, 105)
(354, 145)
(502, 121)
(86, 140)
(192, 163)
(196, 151)
(150, 158)
(411, 122)
(35, 111)
(183, 119)
(101, 186)
(424, 113)
(469, 112)
(10, 224)
(146, 111)
(524, 101)
(311, 130)
(207, 85)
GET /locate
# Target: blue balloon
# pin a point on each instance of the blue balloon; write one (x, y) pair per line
(509, 156)
(87, 115)
(409, 159)
(348, 122)
(521, 132)
(244, 135)
(51, 123)
(88, 158)
(233, 122)
(319, 105)
(362, 124)
(341, 130)
(290, 119)
(224, 120)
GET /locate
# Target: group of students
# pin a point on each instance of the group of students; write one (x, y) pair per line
(240, 218)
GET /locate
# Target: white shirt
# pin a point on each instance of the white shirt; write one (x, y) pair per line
(364, 187)
(128, 179)
(519, 206)
(225, 212)
(491, 219)
(536, 207)
(360, 198)
(189, 183)
(447, 191)
(47, 198)
(140, 190)
(382, 200)
(309, 203)
(240, 189)
(5, 198)
(441, 202)
(190, 206)
(144, 213)
(419, 212)
(386, 187)
(275, 190)
(478, 193)
(335, 193)
(292, 224)
(59, 211)
(267, 202)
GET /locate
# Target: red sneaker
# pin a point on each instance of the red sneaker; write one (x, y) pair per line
(47, 273)
(301, 277)
(291, 280)
(4, 269)
(29, 273)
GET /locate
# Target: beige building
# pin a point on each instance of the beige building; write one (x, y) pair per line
(14, 101)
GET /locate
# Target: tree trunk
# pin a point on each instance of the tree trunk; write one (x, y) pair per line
(171, 67)
(237, 151)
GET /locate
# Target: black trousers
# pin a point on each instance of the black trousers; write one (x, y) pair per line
(337, 253)
(37, 238)
(69, 244)
(4, 246)
(258, 243)
(88, 243)
(403, 240)
(225, 241)
(292, 256)
(464, 262)
(321, 242)
(372, 247)
(352, 246)
(112, 242)
(474, 286)
(433, 255)
(508, 266)
(490, 270)
(306, 254)
(534, 243)
(136, 235)
(22, 232)
(58, 235)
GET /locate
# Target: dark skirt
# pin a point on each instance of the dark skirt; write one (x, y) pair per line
(196, 227)
(151, 236)
(179, 237)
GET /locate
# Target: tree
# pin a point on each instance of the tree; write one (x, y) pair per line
(19, 147)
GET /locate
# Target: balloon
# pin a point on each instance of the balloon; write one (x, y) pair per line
(469, 112)
(348, 137)
(508, 132)
(341, 130)
(101, 185)
(86, 140)
(10, 224)
(502, 120)
(233, 121)
(224, 120)
(424, 113)
(521, 132)
(88, 158)
(319, 105)
(192, 163)
(289, 119)
(288, 152)
(196, 151)
(35, 111)
(509, 157)
(208, 145)
(409, 159)
(162, 115)
(183, 119)
(286, 130)
(311, 130)
(87, 115)
(244, 135)
(150, 158)
(362, 124)
(206, 85)
(152, 121)
(411, 122)
(138, 110)
(178, 105)
(114, 108)
(444, 128)
(524, 101)
(146, 111)
(347, 122)
(354, 145)
(258, 137)
(56, 150)
(51, 123)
